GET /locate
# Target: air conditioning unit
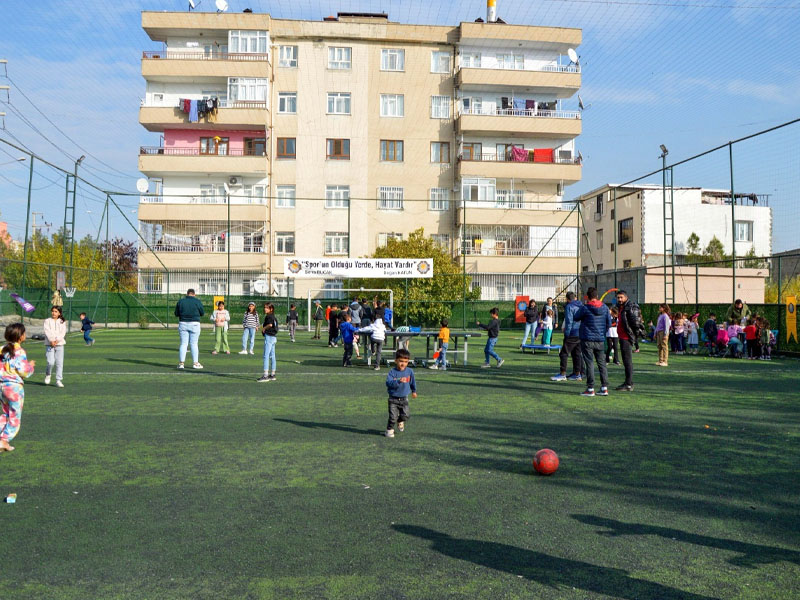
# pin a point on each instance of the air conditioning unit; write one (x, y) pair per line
(235, 180)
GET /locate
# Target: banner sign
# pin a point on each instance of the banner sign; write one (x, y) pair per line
(26, 306)
(791, 318)
(373, 268)
(520, 304)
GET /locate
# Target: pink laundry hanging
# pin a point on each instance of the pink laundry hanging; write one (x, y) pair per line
(519, 154)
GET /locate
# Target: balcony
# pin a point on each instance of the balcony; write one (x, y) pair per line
(491, 165)
(164, 65)
(508, 122)
(154, 160)
(250, 116)
(561, 80)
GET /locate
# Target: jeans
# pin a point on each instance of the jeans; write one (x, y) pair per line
(249, 334)
(571, 346)
(530, 329)
(594, 352)
(292, 328)
(376, 347)
(87, 337)
(442, 360)
(55, 357)
(626, 351)
(269, 353)
(488, 350)
(221, 339)
(398, 411)
(190, 333)
(348, 354)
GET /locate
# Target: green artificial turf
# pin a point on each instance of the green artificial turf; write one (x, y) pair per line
(139, 481)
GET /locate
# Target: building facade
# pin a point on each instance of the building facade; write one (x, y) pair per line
(327, 138)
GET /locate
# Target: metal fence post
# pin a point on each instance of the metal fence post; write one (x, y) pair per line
(696, 287)
(27, 227)
(733, 223)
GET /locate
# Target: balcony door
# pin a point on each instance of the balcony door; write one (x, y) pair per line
(471, 151)
(214, 145)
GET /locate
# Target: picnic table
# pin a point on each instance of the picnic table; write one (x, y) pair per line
(429, 335)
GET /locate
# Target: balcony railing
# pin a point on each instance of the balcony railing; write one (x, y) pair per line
(573, 160)
(500, 249)
(517, 112)
(250, 104)
(217, 199)
(518, 205)
(541, 69)
(158, 150)
(234, 56)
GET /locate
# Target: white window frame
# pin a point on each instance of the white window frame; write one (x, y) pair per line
(442, 239)
(281, 240)
(471, 60)
(285, 196)
(390, 198)
(214, 191)
(337, 196)
(383, 238)
(439, 199)
(340, 57)
(248, 41)
(247, 89)
(254, 194)
(393, 105)
(336, 243)
(287, 57)
(440, 107)
(393, 59)
(440, 62)
(510, 198)
(486, 189)
(598, 239)
(338, 103)
(747, 230)
(285, 102)
(511, 61)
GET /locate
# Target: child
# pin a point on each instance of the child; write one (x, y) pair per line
(493, 331)
(750, 338)
(612, 338)
(377, 331)
(547, 327)
(292, 318)
(444, 341)
(722, 340)
(333, 326)
(651, 331)
(662, 334)
(270, 332)
(399, 382)
(679, 327)
(710, 329)
(735, 344)
(771, 341)
(86, 327)
(694, 338)
(249, 322)
(55, 332)
(14, 368)
(348, 332)
(221, 318)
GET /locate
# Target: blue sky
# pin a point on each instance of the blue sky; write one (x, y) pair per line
(690, 75)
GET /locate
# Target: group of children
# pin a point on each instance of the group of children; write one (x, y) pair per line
(754, 341)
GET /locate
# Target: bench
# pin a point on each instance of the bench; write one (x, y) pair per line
(534, 347)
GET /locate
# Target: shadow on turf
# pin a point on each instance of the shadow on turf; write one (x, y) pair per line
(345, 428)
(161, 365)
(750, 554)
(548, 570)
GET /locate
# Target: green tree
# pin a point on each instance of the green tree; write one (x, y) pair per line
(715, 251)
(693, 254)
(751, 261)
(429, 300)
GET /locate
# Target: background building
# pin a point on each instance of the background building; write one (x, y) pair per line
(331, 137)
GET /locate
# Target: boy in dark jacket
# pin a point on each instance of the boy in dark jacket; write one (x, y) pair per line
(333, 326)
(571, 346)
(86, 328)
(347, 331)
(400, 384)
(595, 320)
(493, 331)
(291, 320)
(710, 329)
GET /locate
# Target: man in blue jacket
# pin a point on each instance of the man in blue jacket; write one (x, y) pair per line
(595, 320)
(571, 346)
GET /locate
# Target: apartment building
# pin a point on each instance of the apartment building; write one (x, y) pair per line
(325, 138)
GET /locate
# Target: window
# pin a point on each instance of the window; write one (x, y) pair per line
(393, 59)
(338, 149)
(599, 239)
(333, 289)
(337, 196)
(254, 194)
(510, 198)
(390, 198)
(626, 264)
(248, 42)
(440, 152)
(599, 267)
(392, 150)
(744, 231)
(287, 103)
(336, 243)
(211, 193)
(585, 242)
(440, 107)
(392, 105)
(440, 62)
(287, 56)
(473, 105)
(214, 145)
(338, 103)
(478, 190)
(287, 148)
(504, 150)
(383, 238)
(598, 204)
(625, 231)
(439, 199)
(247, 89)
(442, 240)
(285, 196)
(471, 151)
(284, 242)
(585, 269)
(255, 146)
(471, 59)
(339, 58)
(510, 61)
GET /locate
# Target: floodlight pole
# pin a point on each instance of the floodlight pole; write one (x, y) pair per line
(614, 237)
(27, 221)
(733, 223)
(228, 245)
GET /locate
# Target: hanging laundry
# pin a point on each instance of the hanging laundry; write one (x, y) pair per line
(519, 154)
(543, 155)
(504, 104)
(193, 111)
(530, 105)
(186, 103)
(519, 104)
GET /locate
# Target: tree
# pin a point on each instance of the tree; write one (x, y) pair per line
(123, 260)
(429, 300)
(693, 254)
(715, 251)
(751, 261)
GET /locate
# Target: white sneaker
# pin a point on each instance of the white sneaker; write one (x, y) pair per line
(59, 384)
(485, 366)
(180, 365)
(251, 352)
(243, 352)
(434, 367)
(47, 379)
(389, 433)
(197, 366)
(500, 364)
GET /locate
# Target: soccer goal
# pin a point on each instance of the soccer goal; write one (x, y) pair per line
(361, 291)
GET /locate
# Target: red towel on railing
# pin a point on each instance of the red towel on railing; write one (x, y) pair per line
(544, 155)
(186, 105)
(519, 154)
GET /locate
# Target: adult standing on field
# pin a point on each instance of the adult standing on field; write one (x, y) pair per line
(531, 314)
(319, 316)
(571, 346)
(189, 311)
(737, 312)
(630, 327)
(595, 320)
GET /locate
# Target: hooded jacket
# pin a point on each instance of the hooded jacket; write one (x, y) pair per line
(630, 317)
(571, 327)
(595, 319)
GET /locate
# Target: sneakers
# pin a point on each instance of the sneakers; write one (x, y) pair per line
(558, 377)
(500, 364)
(434, 367)
(59, 384)
(251, 352)
(263, 378)
(272, 377)
(574, 377)
(180, 366)
(623, 388)
(389, 433)
(603, 391)
(636, 351)
(47, 379)
(401, 426)
(377, 367)
(243, 352)
(485, 366)
(213, 352)
(197, 366)
(588, 392)
(227, 351)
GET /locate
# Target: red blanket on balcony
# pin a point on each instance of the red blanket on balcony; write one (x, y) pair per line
(544, 155)
(519, 154)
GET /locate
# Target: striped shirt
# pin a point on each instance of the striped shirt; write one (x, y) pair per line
(250, 320)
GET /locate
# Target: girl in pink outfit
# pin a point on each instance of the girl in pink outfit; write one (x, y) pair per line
(55, 333)
(14, 368)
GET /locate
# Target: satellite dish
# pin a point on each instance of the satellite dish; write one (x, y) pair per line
(227, 188)
(192, 5)
(573, 56)
(260, 286)
(580, 157)
(222, 5)
(142, 185)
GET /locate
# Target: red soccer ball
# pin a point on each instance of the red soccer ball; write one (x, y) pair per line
(545, 462)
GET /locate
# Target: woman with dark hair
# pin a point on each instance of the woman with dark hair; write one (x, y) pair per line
(662, 334)
(55, 333)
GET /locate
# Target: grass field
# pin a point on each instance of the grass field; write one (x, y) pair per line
(138, 481)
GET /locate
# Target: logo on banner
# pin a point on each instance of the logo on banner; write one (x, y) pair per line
(295, 266)
(423, 267)
(791, 318)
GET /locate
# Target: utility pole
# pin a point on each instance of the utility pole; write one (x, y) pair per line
(35, 227)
